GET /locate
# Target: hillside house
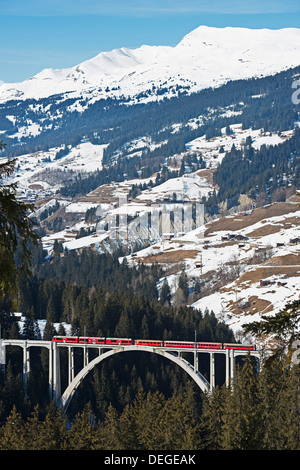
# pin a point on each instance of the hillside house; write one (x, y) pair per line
(264, 283)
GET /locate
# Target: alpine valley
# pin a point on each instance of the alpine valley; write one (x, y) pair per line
(211, 122)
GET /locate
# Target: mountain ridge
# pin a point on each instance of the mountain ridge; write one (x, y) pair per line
(204, 57)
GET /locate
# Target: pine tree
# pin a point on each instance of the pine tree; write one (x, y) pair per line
(290, 401)
(242, 427)
(128, 432)
(177, 429)
(146, 411)
(31, 329)
(82, 435)
(284, 325)
(165, 294)
(14, 332)
(32, 429)
(212, 418)
(54, 432)
(279, 391)
(123, 327)
(179, 297)
(13, 433)
(145, 330)
(183, 284)
(110, 436)
(16, 232)
(272, 384)
(49, 330)
(13, 390)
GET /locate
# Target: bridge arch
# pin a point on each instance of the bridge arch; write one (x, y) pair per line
(177, 359)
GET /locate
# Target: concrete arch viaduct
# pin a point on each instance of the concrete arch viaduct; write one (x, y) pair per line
(104, 351)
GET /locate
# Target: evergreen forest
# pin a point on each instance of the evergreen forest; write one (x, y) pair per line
(260, 413)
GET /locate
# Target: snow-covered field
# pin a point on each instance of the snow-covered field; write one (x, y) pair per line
(190, 186)
(37, 173)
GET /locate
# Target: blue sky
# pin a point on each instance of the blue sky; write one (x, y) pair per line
(35, 34)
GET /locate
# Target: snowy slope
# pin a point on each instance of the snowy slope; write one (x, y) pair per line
(240, 279)
(34, 171)
(262, 286)
(205, 57)
(210, 148)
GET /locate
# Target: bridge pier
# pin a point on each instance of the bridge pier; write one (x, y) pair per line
(56, 374)
(2, 356)
(71, 365)
(196, 362)
(26, 366)
(230, 367)
(85, 356)
(212, 372)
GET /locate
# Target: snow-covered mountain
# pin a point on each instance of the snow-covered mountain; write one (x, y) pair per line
(206, 57)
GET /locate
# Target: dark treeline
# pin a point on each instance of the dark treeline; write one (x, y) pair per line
(261, 412)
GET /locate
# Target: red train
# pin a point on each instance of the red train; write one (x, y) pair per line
(153, 343)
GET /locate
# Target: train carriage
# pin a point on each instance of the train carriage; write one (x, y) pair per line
(180, 344)
(58, 339)
(85, 340)
(148, 342)
(99, 340)
(209, 345)
(65, 339)
(239, 347)
(119, 341)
